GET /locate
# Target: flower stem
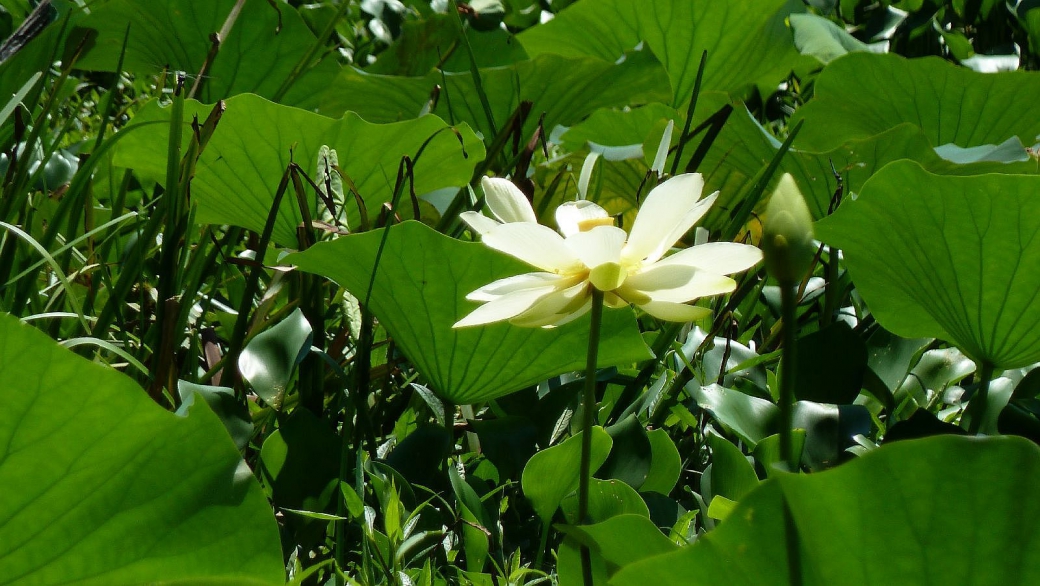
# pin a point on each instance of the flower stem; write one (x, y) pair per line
(978, 403)
(788, 305)
(588, 409)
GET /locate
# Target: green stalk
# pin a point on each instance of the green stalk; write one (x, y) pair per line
(788, 305)
(473, 69)
(978, 403)
(588, 408)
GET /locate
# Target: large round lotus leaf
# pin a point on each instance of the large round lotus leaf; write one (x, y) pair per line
(864, 94)
(947, 257)
(419, 292)
(565, 89)
(748, 43)
(258, 55)
(102, 486)
(881, 519)
(239, 171)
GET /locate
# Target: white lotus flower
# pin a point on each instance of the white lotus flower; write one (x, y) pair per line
(590, 251)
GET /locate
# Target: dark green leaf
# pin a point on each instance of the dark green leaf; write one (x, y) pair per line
(831, 363)
(665, 463)
(849, 532)
(630, 458)
(732, 476)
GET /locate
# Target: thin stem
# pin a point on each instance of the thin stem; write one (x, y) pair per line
(788, 305)
(588, 408)
(978, 403)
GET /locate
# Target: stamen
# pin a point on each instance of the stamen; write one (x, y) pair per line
(590, 223)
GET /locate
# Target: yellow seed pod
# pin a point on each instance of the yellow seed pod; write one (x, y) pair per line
(787, 233)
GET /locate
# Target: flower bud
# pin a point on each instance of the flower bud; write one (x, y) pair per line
(787, 234)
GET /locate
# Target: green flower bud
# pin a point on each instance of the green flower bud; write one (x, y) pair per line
(787, 234)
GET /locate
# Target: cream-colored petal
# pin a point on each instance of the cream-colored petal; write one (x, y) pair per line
(568, 317)
(670, 210)
(600, 250)
(506, 201)
(552, 308)
(675, 311)
(478, 222)
(534, 244)
(674, 284)
(496, 289)
(723, 258)
(662, 149)
(562, 318)
(599, 246)
(504, 307)
(614, 301)
(572, 215)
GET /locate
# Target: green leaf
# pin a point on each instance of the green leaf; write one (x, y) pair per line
(607, 498)
(102, 485)
(552, 474)
(270, 358)
(475, 540)
(423, 44)
(744, 148)
(420, 457)
(232, 412)
(263, 47)
(830, 365)
(815, 35)
(872, 520)
(749, 417)
(238, 173)
(630, 458)
(565, 89)
(748, 44)
(862, 95)
(508, 442)
(419, 293)
(947, 257)
(732, 476)
(720, 507)
(618, 128)
(622, 540)
(665, 463)
(299, 461)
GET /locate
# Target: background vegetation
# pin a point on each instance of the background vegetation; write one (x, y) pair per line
(230, 418)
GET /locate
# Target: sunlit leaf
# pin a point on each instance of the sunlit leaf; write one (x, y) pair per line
(552, 474)
(565, 89)
(263, 47)
(269, 360)
(748, 43)
(419, 293)
(862, 95)
(817, 36)
(948, 257)
(239, 171)
(102, 485)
